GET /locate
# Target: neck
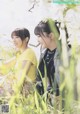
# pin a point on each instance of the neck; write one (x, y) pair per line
(52, 46)
(23, 48)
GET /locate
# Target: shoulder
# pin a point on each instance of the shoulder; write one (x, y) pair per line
(57, 59)
(29, 51)
(57, 54)
(43, 53)
(30, 55)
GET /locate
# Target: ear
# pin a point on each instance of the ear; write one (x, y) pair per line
(51, 36)
(27, 39)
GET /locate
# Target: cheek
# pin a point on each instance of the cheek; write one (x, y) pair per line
(42, 41)
(19, 41)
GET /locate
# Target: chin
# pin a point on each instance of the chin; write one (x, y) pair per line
(17, 47)
(43, 46)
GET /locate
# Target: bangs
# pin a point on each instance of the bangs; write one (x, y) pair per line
(38, 31)
(41, 28)
(15, 33)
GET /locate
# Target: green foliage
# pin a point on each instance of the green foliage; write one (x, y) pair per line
(36, 104)
(69, 87)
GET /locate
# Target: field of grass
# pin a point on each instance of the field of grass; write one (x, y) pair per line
(67, 103)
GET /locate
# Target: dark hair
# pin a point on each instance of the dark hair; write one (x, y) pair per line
(21, 32)
(46, 26)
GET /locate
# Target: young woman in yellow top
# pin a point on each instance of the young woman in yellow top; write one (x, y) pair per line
(24, 63)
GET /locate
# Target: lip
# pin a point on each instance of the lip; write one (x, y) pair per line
(15, 44)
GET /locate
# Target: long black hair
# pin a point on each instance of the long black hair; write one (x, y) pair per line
(49, 25)
(44, 26)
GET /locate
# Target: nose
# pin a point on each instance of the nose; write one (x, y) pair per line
(14, 40)
(38, 42)
(38, 39)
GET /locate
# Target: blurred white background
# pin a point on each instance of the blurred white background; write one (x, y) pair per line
(15, 14)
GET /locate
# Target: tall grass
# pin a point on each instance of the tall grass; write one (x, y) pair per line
(69, 87)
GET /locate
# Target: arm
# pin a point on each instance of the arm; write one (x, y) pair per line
(5, 66)
(22, 74)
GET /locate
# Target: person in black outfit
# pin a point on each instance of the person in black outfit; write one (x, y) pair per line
(49, 60)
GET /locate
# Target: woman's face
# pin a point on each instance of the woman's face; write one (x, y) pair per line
(17, 41)
(44, 40)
